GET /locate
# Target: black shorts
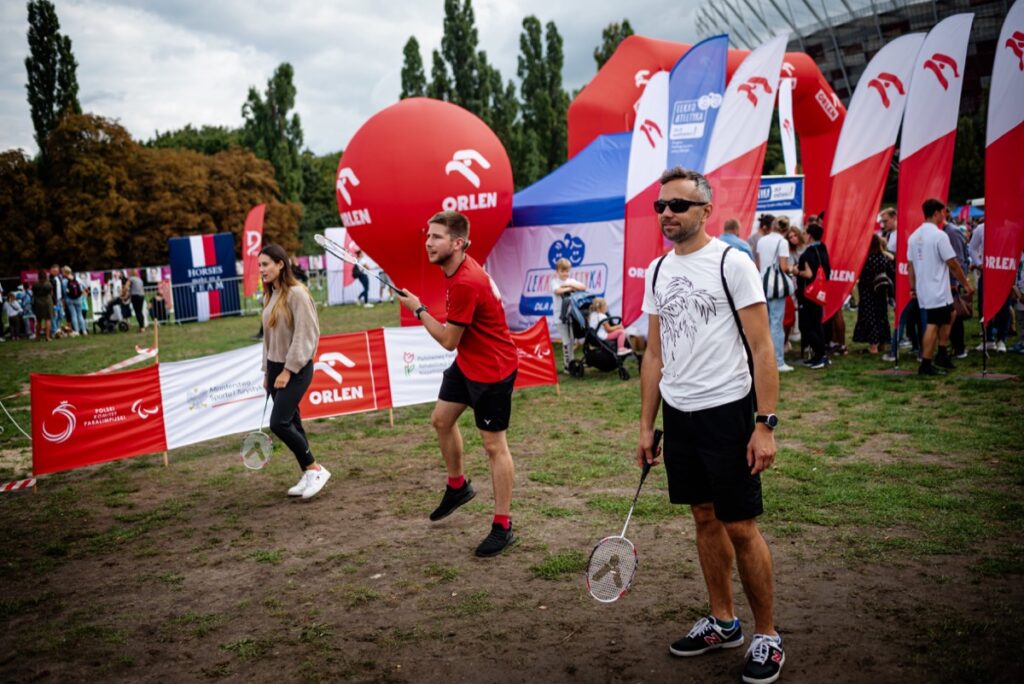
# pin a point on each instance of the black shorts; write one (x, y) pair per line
(491, 401)
(940, 316)
(706, 459)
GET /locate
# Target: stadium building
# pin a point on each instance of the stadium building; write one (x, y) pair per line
(842, 36)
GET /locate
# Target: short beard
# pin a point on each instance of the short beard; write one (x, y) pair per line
(682, 235)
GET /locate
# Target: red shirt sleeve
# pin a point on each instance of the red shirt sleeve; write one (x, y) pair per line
(461, 304)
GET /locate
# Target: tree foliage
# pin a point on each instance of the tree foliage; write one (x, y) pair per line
(205, 140)
(272, 134)
(612, 35)
(545, 103)
(52, 81)
(414, 81)
(112, 201)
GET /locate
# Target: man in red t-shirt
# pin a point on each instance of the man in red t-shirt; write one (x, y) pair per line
(482, 375)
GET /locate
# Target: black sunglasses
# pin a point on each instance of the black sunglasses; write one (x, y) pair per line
(678, 206)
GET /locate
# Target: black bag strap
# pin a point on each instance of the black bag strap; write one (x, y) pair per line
(739, 327)
(657, 267)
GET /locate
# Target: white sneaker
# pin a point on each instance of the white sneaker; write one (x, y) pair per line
(301, 485)
(315, 482)
(1001, 347)
(888, 357)
(785, 368)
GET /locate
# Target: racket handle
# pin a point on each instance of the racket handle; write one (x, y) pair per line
(654, 450)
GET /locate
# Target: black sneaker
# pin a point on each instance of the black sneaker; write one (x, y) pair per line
(452, 499)
(765, 659)
(817, 364)
(707, 635)
(943, 361)
(929, 370)
(496, 541)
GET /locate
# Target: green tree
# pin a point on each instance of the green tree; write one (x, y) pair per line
(440, 87)
(52, 81)
(319, 206)
(414, 81)
(205, 140)
(271, 134)
(968, 179)
(612, 35)
(544, 101)
(458, 46)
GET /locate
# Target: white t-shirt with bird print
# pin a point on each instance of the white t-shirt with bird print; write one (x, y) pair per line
(704, 362)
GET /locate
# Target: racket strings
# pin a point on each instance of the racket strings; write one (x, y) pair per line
(611, 568)
(255, 451)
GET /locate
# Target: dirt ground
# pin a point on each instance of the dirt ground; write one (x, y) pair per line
(170, 581)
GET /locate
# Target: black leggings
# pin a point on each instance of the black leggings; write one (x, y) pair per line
(285, 421)
(812, 333)
(137, 302)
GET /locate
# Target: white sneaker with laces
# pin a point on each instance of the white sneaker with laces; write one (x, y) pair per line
(1001, 347)
(301, 485)
(785, 368)
(317, 480)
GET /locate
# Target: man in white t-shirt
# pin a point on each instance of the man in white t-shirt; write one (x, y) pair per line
(702, 303)
(930, 259)
(773, 248)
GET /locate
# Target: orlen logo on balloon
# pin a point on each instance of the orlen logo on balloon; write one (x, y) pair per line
(882, 84)
(66, 413)
(463, 163)
(353, 217)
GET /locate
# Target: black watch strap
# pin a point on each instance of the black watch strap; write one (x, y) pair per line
(419, 311)
(770, 420)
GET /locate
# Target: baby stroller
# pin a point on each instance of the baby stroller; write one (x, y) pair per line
(597, 353)
(114, 317)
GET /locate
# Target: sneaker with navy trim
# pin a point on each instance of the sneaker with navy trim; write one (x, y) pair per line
(765, 659)
(452, 499)
(706, 635)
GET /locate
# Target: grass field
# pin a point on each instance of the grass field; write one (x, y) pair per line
(895, 515)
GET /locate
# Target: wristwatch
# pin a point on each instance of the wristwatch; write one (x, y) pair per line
(771, 420)
(419, 312)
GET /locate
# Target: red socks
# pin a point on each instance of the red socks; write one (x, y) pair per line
(457, 482)
(503, 520)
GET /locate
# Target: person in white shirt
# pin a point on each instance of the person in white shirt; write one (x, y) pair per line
(771, 249)
(562, 286)
(705, 306)
(930, 259)
(599, 320)
(887, 219)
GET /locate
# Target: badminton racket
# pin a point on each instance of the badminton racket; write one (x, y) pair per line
(256, 446)
(337, 250)
(613, 562)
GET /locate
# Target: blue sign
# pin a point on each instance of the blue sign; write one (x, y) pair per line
(695, 90)
(536, 298)
(203, 275)
(781, 193)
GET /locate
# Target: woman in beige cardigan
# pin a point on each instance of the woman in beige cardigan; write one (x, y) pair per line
(290, 335)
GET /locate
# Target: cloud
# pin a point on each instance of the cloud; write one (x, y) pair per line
(160, 66)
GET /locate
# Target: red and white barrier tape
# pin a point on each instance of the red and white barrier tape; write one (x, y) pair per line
(17, 484)
(140, 356)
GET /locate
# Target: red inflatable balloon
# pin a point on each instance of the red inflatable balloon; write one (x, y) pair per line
(408, 162)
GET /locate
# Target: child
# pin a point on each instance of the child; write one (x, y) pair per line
(562, 285)
(598, 320)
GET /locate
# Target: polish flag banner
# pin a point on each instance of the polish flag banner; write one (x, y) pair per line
(861, 163)
(1004, 182)
(252, 243)
(929, 133)
(350, 375)
(81, 420)
(536, 360)
(647, 155)
(740, 139)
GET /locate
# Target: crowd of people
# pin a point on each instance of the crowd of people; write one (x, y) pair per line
(57, 304)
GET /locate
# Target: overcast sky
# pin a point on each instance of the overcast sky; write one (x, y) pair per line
(162, 64)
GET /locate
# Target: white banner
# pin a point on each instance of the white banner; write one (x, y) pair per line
(213, 396)
(787, 131)
(416, 363)
(522, 265)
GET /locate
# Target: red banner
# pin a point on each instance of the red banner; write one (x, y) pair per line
(536, 362)
(252, 243)
(80, 420)
(350, 375)
(1004, 182)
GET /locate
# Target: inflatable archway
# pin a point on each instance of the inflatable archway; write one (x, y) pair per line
(606, 105)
